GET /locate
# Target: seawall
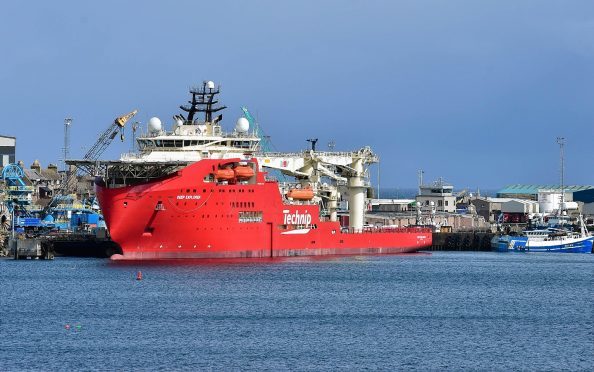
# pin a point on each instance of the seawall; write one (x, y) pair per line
(462, 241)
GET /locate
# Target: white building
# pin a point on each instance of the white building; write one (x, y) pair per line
(7, 150)
(520, 206)
(550, 200)
(440, 193)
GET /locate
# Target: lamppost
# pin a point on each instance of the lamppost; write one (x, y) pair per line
(66, 149)
(12, 220)
(16, 254)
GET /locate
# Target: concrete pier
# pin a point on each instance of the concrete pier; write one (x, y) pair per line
(21, 248)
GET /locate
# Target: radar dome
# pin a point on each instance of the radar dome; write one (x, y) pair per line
(242, 125)
(177, 123)
(154, 124)
(210, 84)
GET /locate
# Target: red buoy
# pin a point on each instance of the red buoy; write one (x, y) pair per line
(139, 275)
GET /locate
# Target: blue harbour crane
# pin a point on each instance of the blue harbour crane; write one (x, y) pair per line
(18, 196)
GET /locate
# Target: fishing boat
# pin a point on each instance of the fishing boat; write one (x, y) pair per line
(549, 239)
(556, 235)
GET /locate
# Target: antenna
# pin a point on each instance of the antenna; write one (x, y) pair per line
(203, 100)
(313, 142)
(66, 148)
(134, 128)
(561, 142)
(420, 174)
(378, 179)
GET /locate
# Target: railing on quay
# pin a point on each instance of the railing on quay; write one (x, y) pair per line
(384, 229)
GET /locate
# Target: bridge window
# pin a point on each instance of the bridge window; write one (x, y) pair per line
(248, 216)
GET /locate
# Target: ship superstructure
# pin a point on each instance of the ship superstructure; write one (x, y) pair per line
(197, 191)
(192, 138)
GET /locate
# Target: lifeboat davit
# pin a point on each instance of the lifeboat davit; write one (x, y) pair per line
(224, 174)
(301, 194)
(244, 172)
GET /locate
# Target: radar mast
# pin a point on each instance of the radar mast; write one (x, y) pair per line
(203, 100)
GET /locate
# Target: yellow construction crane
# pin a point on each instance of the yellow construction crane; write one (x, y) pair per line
(121, 121)
(93, 154)
(109, 134)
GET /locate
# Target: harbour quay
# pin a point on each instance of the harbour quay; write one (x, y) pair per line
(460, 220)
(466, 220)
(451, 231)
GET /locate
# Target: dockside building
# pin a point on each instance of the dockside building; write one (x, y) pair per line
(7, 150)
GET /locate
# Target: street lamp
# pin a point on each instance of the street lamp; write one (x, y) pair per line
(12, 209)
(12, 220)
(66, 149)
(16, 253)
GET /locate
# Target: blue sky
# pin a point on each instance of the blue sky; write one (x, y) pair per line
(472, 91)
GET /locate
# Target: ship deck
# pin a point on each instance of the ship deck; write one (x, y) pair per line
(122, 171)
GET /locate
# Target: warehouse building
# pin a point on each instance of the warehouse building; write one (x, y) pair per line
(530, 192)
(586, 197)
(549, 196)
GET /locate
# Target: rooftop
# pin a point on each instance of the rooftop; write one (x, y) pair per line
(533, 189)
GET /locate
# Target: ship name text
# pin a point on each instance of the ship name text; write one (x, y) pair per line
(297, 218)
(186, 197)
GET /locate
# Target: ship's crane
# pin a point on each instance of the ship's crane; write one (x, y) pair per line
(248, 116)
(99, 147)
(348, 169)
(108, 135)
(265, 140)
(93, 154)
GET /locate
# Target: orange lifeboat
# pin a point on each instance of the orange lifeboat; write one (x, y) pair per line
(301, 194)
(224, 174)
(244, 172)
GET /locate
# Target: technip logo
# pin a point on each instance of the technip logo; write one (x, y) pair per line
(297, 218)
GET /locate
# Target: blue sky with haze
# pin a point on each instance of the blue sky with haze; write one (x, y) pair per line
(473, 91)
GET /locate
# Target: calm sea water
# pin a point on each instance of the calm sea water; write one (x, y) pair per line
(439, 311)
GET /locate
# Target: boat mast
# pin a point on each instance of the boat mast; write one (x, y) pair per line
(203, 100)
(561, 142)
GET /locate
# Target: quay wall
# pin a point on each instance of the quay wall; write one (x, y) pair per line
(462, 241)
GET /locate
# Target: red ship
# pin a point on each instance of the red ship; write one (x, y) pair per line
(196, 192)
(184, 216)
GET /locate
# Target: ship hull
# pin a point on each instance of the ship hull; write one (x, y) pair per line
(141, 254)
(187, 215)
